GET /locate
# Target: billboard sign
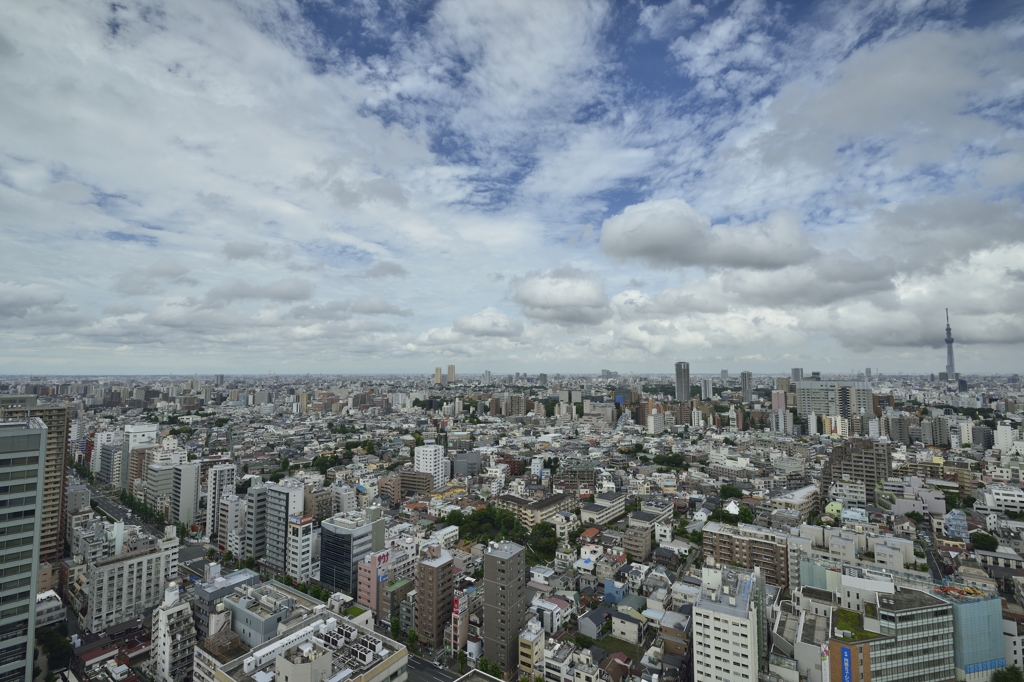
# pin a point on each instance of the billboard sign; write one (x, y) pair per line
(826, 674)
(847, 671)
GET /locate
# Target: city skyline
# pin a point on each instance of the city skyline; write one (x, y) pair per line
(374, 188)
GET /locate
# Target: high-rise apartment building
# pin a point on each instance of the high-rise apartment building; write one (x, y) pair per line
(174, 638)
(256, 521)
(834, 398)
(220, 480)
(435, 594)
(738, 603)
(682, 381)
(24, 450)
(706, 390)
(866, 460)
(437, 375)
(796, 374)
(122, 585)
(345, 540)
(724, 376)
(231, 525)
(451, 374)
(747, 386)
(487, 378)
(505, 580)
(185, 494)
(749, 546)
(51, 485)
(430, 459)
(284, 499)
(299, 563)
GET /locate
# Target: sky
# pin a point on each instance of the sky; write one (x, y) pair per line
(515, 186)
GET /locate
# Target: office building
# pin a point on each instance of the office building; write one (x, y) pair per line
(682, 381)
(864, 460)
(284, 499)
(505, 580)
(174, 638)
(918, 638)
(747, 386)
(451, 374)
(437, 375)
(185, 493)
(51, 512)
(24, 454)
(220, 480)
(737, 602)
(435, 594)
(430, 459)
(345, 540)
(796, 374)
(256, 521)
(121, 586)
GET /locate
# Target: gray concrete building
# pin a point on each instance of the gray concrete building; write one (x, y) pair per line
(505, 605)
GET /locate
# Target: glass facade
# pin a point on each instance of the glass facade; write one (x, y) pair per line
(22, 467)
(979, 636)
(921, 648)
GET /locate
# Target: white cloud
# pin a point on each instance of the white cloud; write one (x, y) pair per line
(671, 233)
(565, 295)
(488, 322)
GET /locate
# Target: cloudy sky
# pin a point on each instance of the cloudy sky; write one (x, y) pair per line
(381, 185)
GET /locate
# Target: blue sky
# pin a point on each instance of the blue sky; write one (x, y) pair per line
(515, 186)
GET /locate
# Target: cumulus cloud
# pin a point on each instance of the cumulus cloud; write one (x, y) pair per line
(152, 279)
(488, 322)
(18, 300)
(565, 295)
(669, 233)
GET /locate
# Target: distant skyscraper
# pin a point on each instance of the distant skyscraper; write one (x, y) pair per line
(950, 366)
(867, 373)
(487, 378)
(747, 386)
(725, 375)
(451, 374)
(706, 391)
(437, 375)
(682, 381)
(796, 374)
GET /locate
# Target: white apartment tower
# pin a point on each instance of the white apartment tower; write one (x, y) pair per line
(730, 621)
(300, 565)
(185, 493)
(174, 638)
(220, 480)
(231, 530)
(430, 458)
(451, 374)
(284, 499)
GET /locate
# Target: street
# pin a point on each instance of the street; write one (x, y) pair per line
(113, 509)
(422, 669)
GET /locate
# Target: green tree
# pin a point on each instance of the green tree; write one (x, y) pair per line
(544, 540)
(985, 542)
(1011, 674)
(395, 628)
(285, 464)
(411, 639)
(583, 641)
(211, 553)
(746, 515)
(728, 490)
(462, 661)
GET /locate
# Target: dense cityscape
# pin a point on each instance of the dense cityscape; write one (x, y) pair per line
(568, 528)
(512, 341)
